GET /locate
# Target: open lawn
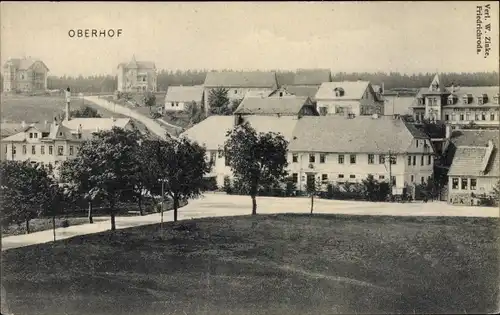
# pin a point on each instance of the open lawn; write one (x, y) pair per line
(265, 264)
(16, 108)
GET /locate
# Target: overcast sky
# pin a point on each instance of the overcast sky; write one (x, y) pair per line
(366, 36)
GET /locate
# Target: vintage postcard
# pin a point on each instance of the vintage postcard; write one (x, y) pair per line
(250, 158)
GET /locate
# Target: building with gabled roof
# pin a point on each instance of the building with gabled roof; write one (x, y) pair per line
(178, 96)
(239, 83)
(137, 76)
(25, 75)
(458, 105)
(286, 106)
(51, 143)
(342, 149)
(348, 98)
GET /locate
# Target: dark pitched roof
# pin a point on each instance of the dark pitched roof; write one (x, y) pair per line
(184, 93)
(459, 92)
(24, 63)
(312, 77)
(360, 134)
(254, 79)
(305, 91)
(286, 105)
(475, 161)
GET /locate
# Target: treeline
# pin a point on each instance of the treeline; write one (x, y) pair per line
(166, 78)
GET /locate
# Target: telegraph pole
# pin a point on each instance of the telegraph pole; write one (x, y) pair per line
(390, 174)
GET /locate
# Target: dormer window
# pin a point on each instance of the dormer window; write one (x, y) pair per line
(480, 100)
(495, 98)
(421, 101)
(465, 99)
(339, 91)
(435, 87)
(450, 100)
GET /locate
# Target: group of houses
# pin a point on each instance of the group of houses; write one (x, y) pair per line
(337, 131)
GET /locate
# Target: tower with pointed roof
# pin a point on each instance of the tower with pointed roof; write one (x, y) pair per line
(434, 98)
(136, 76)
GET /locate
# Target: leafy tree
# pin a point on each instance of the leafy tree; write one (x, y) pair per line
(25, 190)
(149, 100)
(218, 101)
(110, 160)
(496, 192)
(371, 189)
(85, 112)
(180, 164)
(256, 158)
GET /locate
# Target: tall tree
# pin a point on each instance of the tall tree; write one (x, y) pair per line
(180, 164)
(85, 112)
(256, 158)
(25, 190)
(149, 100)
(111, 161)
(218, 101)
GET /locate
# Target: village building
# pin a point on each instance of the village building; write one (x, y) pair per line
(178, 97)
(51, 143)
(137, 76)
(348, 98)
(472, 163)
(26, 75)
(458, 105)
(278, 106)
(238, 84)
(306, 83)
(339, 149)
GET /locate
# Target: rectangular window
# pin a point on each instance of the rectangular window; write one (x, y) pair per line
(322, 158)
(483, 116)
(341, 175)
(35, 135)
(352, 176)
(476, 116)
(50, 150)
(14, 150)
(414, 160)
(381, 159)
(60, 150)
(31, 135)
(429, 159)
(42, 149)
(454, 183)
(33, 150)
(421, 160)
(393, 180)
(492, 116)
(381, 177)
(352, 159)
(416, 143)
(467, 116)
(409, 159)
(312, 158)
(324, 177)
(461, 116)
(464, 183)
(412, 179)
(341, 159)
(295, 158)
(24, 149)
(71, 150)
(371, 158)
(295, 177)
(446, 117)
(473, 184)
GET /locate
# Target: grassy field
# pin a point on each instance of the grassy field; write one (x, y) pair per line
(44, 224)
(16, 108)
(275, 264)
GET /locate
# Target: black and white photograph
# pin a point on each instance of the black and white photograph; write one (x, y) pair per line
(249, 158)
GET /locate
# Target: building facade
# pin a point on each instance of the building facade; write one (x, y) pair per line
(457, 105)
(178, 96)
(137, 76)
(238, 84)
(25, 75)
(348, 98)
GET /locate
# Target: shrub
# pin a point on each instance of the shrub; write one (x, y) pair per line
(155, 115)
(227, 185)
(65, 223)
(211, 184)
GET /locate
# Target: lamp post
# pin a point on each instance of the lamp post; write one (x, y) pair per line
(54, 205)
(162, 202)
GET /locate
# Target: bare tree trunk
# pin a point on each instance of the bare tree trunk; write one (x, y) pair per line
(176, 205)
(312, 202)
(254, 205)
(27, 226)
(91, 220)
(112, 213)
(139, 201)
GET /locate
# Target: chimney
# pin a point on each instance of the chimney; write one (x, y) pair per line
(448, 132)
(68, 99)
